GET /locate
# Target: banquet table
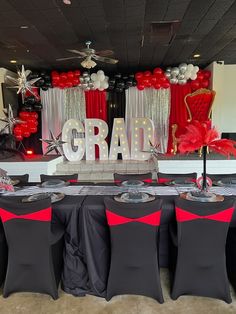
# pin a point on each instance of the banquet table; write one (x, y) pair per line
(87, 240)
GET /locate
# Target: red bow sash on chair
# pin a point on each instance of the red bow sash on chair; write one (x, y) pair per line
(41, 215)
(152, 219)
(223, 216)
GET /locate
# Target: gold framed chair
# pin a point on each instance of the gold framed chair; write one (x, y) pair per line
(199, 107)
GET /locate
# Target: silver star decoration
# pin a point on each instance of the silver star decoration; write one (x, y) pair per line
(10, 120)
(21, 82)
(55, 143)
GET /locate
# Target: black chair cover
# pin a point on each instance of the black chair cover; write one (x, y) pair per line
(67, 177)
(34, 251)
(231, 256)
(181, 177)
(134, 252)
(145, 177)
(200, 240)
(24, 178)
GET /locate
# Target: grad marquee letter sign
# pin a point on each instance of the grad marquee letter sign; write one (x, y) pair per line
(96, 130)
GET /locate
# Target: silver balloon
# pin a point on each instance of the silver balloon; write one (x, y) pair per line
(168, 74)
(183, 68)
(86, 79)
(180, 76)
(84, 85)
(174, 72)
(87, 88)
(174, 80)
(168, 69)
(182, 82)
(85, 74)
(81, 79)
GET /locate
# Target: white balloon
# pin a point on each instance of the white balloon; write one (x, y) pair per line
(167, 74)
(196, 69)
(190, 67)
(101, 88)
(193, 76)
(100, 76)
(100, 72)
(94, 77)
(187, 75)
(105, 85)
(168, 69)
(96, 84)
(183, 67)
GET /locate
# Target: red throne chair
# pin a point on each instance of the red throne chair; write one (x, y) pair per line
(199, 107)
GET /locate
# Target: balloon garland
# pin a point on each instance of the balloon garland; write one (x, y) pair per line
(182, 73)
(44, 80)
(119, 83)
(202, 80)
(99, 80)
(29, 126)
(157, 79)
(65, 79)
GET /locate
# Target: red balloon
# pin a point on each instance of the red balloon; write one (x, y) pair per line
(70, 75)
(63, 76)
(61, 85)
(31, 120)
(140, 87)
(26, 133)
(205, 83)
(34, 115)
(17, 131)
(24, 115)
(138, 75)
(147, 73)
(19, 137)
(200, 76)
(153, 80)
(195, 84)
(56, 77)
(24, 126)
(157, 86)
(166, 85)
(157, 71)
(75, 81)
(33, 129)
(207, 74)
(163, 79)
(77, 73)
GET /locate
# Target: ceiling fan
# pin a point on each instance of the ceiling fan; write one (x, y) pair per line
(89, 54)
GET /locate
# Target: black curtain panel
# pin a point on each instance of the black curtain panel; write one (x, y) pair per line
(115, 108)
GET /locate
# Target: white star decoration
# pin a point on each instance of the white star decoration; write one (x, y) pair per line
(10, 120)
(55, 143)
(21, 82)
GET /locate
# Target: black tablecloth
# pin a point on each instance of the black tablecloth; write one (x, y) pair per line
(87, 250)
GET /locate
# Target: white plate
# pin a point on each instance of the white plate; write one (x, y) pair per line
(130, 198)
(132, 183)
(55, 197)
(54, 183)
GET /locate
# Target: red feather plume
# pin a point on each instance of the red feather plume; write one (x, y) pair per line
(199, 134)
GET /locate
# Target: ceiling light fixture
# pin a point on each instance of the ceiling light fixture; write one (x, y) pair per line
(66, 1)
(24, 26)
(197, 55)
(88, 63)
(13, 61)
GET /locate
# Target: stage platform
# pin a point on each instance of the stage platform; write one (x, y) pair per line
(103, 170)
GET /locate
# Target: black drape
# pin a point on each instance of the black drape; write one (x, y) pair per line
(115, 108)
